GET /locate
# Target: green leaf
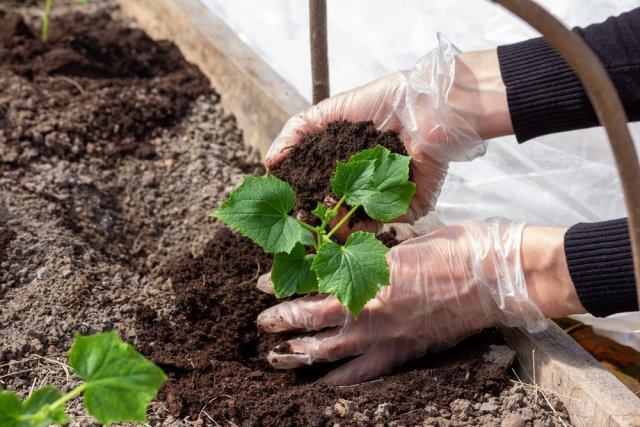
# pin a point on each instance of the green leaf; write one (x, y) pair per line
(354, 179)
(391, 181)
(291, 273)
(42, 397)
(320, 211)
(34, 412)
(11, 410)
(390, 203)
(384, 191)
(306, 238)
(120, 382)
(353, 273)
(258, 209)
(374, 153)
(323, 212)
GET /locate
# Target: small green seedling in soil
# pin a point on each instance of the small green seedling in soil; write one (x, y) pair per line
(47, 14)
(118, 385)
(376, 180)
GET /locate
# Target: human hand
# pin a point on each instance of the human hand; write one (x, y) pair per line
(413, 103)
(444, 287)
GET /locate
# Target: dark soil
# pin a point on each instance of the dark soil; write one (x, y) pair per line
(215, 355)
(98, 88)
(310, 165)
(389, 238)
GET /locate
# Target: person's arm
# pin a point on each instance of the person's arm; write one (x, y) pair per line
(528, 90)
(545, 95)
(546, 273)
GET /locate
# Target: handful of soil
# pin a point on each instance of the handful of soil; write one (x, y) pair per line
(309, 166)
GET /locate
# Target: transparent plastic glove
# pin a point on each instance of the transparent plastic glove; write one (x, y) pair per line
(413, 103)
(444, 287)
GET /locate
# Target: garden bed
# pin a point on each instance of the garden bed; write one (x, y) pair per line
(113, 151)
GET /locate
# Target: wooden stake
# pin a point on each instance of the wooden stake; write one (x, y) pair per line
(319, 55)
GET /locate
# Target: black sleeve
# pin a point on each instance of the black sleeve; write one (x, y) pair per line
(544, 94)
(601, 266)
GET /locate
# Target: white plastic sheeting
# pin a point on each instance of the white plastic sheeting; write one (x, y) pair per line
(557, 180)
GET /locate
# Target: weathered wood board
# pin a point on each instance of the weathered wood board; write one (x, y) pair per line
(593, 396)
(260, 99)
(262, 102)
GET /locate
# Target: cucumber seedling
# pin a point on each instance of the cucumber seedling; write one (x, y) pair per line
(376, 180)
(118, 385)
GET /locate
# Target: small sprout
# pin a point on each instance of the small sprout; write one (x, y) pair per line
(47, 14)
(376, 180)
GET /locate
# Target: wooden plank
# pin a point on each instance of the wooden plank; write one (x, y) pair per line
(593, 396)
(260, 99)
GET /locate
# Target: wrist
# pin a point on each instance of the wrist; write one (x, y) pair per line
(546, 273)
(478, 94)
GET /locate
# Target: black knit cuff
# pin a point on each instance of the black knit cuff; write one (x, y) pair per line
(601, 266)
(544, 94)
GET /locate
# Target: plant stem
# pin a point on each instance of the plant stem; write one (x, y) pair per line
(64, 399)
(334, 209)
(307, 226)
(45, 19)
(340, 202)
(342, 221)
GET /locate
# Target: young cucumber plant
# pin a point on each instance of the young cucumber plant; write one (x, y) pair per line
(47, 14)
(376, 180)
(118, 385)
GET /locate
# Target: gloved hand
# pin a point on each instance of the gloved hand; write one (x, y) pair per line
(414, 103)
(444, 287)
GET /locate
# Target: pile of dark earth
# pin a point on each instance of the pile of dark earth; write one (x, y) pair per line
(113, 151)
(309, 166)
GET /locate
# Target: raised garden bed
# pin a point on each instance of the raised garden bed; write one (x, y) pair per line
(113, 151)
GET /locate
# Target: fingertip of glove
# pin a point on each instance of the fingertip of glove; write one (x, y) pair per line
(287, 361)
(265, 284)
(267, 321)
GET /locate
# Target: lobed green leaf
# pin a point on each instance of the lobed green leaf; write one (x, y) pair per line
(306, 238)
(291, 273)
(378, 180)
(353, 273)
(354, 179)
(259, 209)
(120, 382)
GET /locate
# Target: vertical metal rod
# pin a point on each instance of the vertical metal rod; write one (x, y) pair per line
(319, 56)
(605, 100)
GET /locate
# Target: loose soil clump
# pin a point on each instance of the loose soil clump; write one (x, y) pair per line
(309, 166)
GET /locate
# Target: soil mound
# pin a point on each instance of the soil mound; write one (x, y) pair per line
(215, 355)
(309, 166)
(97, 86)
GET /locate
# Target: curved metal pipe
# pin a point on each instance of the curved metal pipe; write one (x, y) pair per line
(605, 100)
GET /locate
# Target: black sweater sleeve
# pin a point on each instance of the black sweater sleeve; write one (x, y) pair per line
(601, 267)
(545, 96)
